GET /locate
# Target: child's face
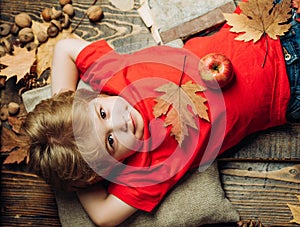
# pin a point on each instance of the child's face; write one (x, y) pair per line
(119, 126)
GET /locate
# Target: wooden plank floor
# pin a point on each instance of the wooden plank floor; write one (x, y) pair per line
(260, 176)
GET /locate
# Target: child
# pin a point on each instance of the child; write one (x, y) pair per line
(79, 138)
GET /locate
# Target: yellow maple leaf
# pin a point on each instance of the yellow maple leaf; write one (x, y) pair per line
(179, 116)
(295, 212)
(260, 17)
(18, 64)
(198, 108)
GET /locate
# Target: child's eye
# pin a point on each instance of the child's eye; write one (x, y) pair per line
(110, 141)
(102, 113)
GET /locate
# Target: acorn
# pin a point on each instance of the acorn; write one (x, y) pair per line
(52, 31)
(65, 2)
(13, 108)
(57, 24)
(42, 36)
(94, 13)
(46, 14)
(26, 35)
(4, 29)
(68, 9)
(23, 20)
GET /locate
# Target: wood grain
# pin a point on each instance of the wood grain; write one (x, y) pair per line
(261, 190)
(123, 29)
(279, 143)
(26, 200)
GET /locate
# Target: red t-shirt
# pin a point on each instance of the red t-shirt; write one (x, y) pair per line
(256, 100)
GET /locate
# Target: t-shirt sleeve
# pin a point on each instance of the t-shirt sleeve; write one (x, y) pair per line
(90, 54)
(142, 198)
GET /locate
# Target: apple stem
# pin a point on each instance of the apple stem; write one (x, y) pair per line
(267, 49)
(182, 72)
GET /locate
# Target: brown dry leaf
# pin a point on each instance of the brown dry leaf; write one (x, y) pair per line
(17, 156)
(15, 123)
(17, 145)
(45, 50)
(19, 63)
(295, 212)
(260, 17)
(179, 116)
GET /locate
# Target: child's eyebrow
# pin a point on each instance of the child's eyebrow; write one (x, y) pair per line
(96, 110)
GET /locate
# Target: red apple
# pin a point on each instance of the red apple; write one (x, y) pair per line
(216, 70)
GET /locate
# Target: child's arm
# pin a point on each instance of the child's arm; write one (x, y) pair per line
(64, 74)
(103, 208)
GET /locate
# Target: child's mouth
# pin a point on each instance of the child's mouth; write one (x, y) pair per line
(133, 123)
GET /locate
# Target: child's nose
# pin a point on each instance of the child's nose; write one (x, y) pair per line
(119, 123)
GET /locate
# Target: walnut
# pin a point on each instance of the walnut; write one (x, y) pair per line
(23, 20)
(26, 35)
(4, 29)
(94, 13)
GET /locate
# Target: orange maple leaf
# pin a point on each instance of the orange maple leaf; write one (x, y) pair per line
(18, 64)
(260, 17)
(179, 116)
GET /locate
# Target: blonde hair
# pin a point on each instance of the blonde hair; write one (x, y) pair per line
(55, 154)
